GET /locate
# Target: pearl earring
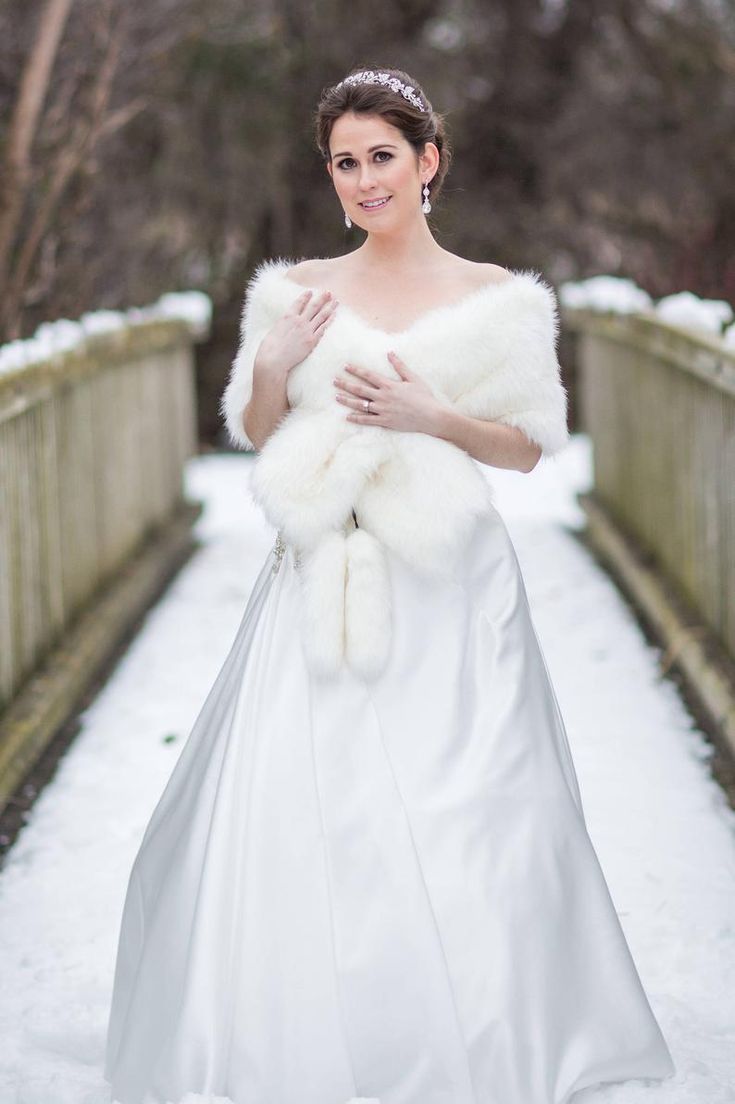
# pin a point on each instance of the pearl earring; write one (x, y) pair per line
(426, 206)
(348, 221)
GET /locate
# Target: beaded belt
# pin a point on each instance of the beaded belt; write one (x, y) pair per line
(279, 551)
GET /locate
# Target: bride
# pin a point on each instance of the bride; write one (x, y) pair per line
(369, 875)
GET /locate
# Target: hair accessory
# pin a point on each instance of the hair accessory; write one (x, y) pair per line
(371, 76)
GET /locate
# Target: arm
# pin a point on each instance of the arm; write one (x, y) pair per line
(502, 446)
(268, 402)
(255, 399)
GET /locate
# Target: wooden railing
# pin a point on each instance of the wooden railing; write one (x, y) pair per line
(658, 403)
(92, 448)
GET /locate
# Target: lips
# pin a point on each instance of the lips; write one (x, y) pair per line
(377, 206)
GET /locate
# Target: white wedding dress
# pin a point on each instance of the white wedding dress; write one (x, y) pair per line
(383, 889)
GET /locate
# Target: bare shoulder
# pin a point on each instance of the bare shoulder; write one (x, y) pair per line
(312, 273)
(486, 273)
(467, 276)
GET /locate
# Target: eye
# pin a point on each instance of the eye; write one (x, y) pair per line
(378, 153)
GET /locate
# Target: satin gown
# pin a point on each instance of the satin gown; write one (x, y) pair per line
(383, 890)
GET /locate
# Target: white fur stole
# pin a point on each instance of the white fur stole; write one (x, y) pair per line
(491, 355)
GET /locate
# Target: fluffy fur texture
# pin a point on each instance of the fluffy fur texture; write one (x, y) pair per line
(367, 604)
(491, 355)
(323, 578)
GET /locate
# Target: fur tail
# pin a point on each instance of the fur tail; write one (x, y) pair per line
(367, 605)
(346, 604)
(323, 574)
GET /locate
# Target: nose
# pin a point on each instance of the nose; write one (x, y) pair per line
(367, 178)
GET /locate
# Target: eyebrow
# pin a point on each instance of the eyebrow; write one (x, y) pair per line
(381, 145)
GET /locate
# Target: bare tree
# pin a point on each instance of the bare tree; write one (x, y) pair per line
(71, 143)
(32, 89)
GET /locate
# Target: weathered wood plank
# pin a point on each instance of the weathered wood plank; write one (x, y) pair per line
(659, 405)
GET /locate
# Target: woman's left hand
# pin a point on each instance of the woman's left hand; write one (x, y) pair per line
(407, 403)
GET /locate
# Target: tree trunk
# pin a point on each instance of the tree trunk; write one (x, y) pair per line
(16, 162)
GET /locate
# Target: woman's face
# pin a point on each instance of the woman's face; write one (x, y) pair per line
(371, 160)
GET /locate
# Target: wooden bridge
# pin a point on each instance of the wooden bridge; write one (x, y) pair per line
(93, 442)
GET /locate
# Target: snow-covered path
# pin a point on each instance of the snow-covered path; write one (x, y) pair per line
(660, 825)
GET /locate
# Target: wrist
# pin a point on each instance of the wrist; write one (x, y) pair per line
(267, 370)
(446, 422)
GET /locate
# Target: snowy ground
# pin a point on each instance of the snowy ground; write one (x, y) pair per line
(660, 825)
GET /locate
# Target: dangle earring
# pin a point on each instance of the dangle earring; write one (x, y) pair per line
(426, 206)
(348, 221)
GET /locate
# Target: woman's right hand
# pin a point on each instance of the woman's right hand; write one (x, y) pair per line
(297, 333)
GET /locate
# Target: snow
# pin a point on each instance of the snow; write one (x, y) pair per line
(51, 338)
(195, 307)
(693, 313)
(622, 296)
(604, 293)
(660, 824)
(102, 321)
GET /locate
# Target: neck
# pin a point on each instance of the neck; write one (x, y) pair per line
(403, 250)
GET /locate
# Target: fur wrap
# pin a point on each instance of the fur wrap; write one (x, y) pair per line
(491, 354)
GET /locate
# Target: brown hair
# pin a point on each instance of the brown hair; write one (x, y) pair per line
(418, 127)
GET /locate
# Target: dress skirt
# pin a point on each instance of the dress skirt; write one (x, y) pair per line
(381, 889)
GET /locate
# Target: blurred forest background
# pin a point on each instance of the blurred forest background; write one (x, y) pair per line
(168, 145)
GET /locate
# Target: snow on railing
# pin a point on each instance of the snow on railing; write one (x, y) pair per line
(194, 308)
(656, 389)
(622, 296)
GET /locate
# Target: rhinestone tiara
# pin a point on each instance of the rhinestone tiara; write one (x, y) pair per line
(372, 76)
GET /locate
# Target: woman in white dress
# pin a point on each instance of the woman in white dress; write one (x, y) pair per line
(369, 875)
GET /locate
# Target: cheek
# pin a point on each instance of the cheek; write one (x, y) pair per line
(342, 183)
(339, 184)
(403, 179)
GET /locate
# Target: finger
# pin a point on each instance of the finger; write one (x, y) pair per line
(326, 311)
(318, 304)
(362, 390)
(367, 376)
(355, 401)
(307, 306)
(358, 404)
(299, 303)
(400, 367)
(321, 326)
(365, 419)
